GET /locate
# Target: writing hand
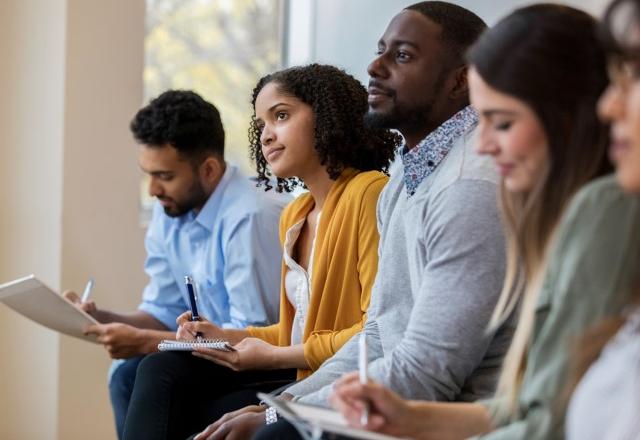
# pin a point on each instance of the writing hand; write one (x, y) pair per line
(388, 412)
(187, 329)
(87, 307)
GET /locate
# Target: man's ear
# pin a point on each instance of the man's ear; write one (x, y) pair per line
(212, 169)
(460, 88)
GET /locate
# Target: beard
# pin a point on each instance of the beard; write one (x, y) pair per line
(196, 198)
(399, 117)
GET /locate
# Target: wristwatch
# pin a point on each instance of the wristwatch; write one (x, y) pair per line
(270, 415)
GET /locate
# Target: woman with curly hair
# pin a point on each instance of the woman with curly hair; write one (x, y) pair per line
(307, 129)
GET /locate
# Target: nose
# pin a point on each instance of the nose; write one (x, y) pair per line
(155, 188)
(267, 136)
(485, 144)
(378, 68)
(611, 104)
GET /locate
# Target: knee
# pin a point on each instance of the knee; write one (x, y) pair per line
(123, 376)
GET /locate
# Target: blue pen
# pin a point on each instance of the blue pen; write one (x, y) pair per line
(191, 290)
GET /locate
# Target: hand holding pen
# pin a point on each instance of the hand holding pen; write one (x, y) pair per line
(83, 303)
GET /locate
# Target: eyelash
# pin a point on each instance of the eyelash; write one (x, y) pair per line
(504, 126)
(281, 113)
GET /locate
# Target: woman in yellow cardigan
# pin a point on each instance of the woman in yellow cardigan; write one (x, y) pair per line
(307, 129)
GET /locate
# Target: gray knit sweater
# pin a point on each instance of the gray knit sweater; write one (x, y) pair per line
(440, 272)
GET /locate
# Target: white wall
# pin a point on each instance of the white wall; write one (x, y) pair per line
(345, 33)
(71, 80)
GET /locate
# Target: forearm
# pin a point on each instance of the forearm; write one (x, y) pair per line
(137, 319)
(446, 421)
(234, 335)
(290, 357)
(151, 339)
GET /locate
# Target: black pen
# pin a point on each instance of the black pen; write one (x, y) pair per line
(191, 290)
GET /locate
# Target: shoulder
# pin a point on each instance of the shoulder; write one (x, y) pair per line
(366, 184)
(243, 198)
(600, 194)
(463, 163)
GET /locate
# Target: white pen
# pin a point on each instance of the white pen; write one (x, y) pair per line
(362, 368)
(87, 291)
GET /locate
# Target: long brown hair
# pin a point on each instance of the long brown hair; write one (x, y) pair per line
(548, 57)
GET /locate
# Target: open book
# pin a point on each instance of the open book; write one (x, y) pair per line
(34, 300)
(218, 344)
(314, 419)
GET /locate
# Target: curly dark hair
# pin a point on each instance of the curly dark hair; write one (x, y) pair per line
(339, 102)
(182, 119)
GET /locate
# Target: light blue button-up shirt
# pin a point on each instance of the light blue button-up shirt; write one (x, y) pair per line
(230, 248)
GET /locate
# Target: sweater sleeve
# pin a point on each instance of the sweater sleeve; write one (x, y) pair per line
(321, 345)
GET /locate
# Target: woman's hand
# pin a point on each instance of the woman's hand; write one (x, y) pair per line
(188, 329)
(388, 412)
(248, 354)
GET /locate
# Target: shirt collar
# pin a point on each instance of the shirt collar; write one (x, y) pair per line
(207, 215)
(421, 161)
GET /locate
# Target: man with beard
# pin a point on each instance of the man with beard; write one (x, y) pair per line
(211, 223)
(442, 250)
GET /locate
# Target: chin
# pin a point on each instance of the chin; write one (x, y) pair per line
(516, 186)
(628, 177)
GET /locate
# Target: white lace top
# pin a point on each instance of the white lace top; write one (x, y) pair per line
(297, 280)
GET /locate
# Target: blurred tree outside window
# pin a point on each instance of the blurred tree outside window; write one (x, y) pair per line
(219, 49)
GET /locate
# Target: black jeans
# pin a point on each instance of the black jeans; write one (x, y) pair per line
(177, 394)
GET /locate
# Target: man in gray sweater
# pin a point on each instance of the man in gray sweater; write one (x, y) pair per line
(441, 255)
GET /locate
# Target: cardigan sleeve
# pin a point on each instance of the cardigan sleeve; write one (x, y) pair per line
(268, 334)
(321, 345)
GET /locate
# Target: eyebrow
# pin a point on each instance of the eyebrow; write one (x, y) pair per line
(276, 105)
(491, 112)
(398, 43)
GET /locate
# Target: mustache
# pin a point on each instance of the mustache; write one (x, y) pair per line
(374, 84)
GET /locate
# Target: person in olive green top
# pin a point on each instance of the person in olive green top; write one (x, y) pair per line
(570, 267)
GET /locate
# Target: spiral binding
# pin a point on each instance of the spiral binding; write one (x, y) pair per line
(218, 344)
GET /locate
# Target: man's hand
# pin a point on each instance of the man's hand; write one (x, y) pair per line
(121, 340)
(248, 354)
(187, 329)
(88, 307)
(240, 424)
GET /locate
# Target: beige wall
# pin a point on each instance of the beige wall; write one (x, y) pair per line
(70, 81)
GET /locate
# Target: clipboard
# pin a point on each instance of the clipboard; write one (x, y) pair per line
(34, 300)
(317, 419)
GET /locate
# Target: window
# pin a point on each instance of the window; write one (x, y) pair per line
(219, 49)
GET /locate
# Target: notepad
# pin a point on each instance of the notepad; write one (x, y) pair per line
(35, 300)
(314, 419)
(217, 344)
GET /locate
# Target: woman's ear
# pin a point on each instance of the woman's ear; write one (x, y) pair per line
(460, 88)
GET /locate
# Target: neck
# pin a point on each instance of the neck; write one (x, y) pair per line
(319, 185)
(414, 134)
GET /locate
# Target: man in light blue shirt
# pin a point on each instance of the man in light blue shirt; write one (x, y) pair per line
(210, 222)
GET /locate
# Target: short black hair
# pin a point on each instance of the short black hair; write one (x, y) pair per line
(339, 102)
(460, 27)
(182, 119)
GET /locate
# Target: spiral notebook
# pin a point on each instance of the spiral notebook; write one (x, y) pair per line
(218, 344)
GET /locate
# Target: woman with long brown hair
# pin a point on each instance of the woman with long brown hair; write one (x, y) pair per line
(535, 79)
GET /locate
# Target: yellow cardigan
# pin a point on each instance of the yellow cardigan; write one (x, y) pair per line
(345, 263)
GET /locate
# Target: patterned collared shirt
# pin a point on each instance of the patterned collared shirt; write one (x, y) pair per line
(421, 161)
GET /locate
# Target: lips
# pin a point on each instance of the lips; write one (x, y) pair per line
(273, 152)
(378, 92)
(504, 168)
